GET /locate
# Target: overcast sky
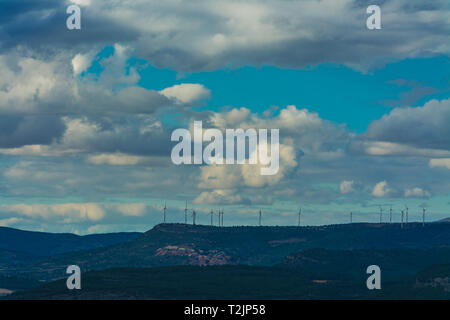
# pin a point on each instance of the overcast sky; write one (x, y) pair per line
(86, 115)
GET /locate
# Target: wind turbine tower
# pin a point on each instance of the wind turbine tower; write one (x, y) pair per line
(185, 213)
(423, 217)
(351, 217)
(193, 217)
(406, 214)
(402, 219)
(212, 213)
(221, 220)
(299, 217)
(165, 208)
(390, 215)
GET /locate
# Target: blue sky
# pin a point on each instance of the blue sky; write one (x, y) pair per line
(323, 89)
(86, 115)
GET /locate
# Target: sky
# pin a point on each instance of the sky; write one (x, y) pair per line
(86, 115)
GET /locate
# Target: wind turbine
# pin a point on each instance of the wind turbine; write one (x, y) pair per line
(402, 220)
(423, 217)
(299, 217)
(221, 220)
(351, 217)
(406, 214)
(185, 213)
(193, 217)
(260, 214)
(165, 208)
(212, 212)
(390, 215)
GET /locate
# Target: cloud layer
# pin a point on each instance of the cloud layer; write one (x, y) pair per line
(84, 141)
(206, 35)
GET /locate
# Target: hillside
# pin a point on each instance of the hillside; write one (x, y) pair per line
(13, 283)
(8, 257)
(436, 276)
(395, 264)
(179, 244)
(48, 244)
(221, 282)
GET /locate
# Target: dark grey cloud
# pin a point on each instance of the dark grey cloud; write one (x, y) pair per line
(136, 135)
(41, 26)
(17, 131)
(207, 35)
(308, 37)
(423, 127)
(31, 85)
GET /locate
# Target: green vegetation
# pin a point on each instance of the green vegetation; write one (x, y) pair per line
(13, 283)
(220, 282)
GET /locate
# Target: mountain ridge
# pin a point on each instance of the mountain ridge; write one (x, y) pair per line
(44, 244)
(180, 244)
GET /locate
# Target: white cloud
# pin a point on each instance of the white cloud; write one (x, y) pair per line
(23, 170)
(230, 119)
(382, 148)
(443, 163)
(381, 189)
(29, 81)
(304, 128)
(252, 176)
(68, 212)
(218, 196)
(219, 177)
(36, 150)
(228, 197)
(186, 93)
(416, 128)
(132, 209)
(81, 2)
(81, 62)
(346, 186)
(115, 159)
(38, 86)
(9, 221)
(416, 193)
(247, 175)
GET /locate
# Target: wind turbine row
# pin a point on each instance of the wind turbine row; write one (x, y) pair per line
(404, 216)
(194, 215)
(220, 214)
